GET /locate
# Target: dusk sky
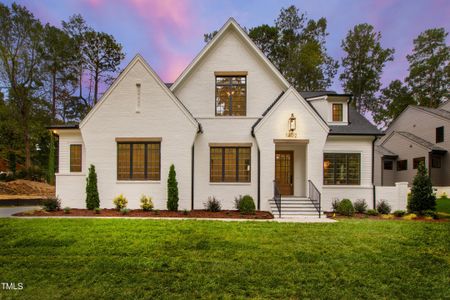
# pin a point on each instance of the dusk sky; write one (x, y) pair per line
(169, 34)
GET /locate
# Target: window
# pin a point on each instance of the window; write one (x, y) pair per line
(230, 164)
(402, 165)
(337, 112)
(342, 168)
(75, 158)
(231, 95)
(440, 134)
(436, 161)
(417, 160)
(388, 164)
(138, 161)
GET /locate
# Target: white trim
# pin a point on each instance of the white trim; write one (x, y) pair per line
(231, 23)
(302, 101)
(138, 181)
(71, 174)
(230, 183)
(138, 58)
(337, 186)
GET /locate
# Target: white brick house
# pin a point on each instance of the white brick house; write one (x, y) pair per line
(231, 124)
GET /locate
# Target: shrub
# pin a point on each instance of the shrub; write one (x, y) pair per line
(51, 204)
(247, 205)
(92, 197)
(213, 204)
(146, 203)
(237, 202)
(346, 208)
(67, 210)
(120, 202)
(399, 213)
(360, 205)
(172, 190)
(422, 197)
(372, 212)
(335, 204)
(383, 207)
(410, 216)
(124, 211)
(387, 216)
(97, 210)
(429, 213)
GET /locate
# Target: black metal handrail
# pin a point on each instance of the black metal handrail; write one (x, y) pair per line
(277, 197)
(314, 196)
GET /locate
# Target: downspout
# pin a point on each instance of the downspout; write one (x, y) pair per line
(192, 177)
(373, 171)
(259, 180)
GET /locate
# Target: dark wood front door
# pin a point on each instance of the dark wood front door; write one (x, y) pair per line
(284, 171)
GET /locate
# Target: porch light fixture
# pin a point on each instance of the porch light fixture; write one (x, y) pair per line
(292, 126)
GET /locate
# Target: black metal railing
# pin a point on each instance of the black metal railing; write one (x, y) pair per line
(314, 196)
(277, 197)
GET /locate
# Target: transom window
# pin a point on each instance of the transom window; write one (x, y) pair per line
(230, 164)
(138, 160)
(75, 158)
(417, 160)
(342, 168)
(231, 94)
(337, 112)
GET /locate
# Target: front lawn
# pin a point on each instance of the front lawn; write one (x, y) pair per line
(443, 205)
(122, 259)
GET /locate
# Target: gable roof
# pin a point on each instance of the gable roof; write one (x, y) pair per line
(230, 24)
(138, 58)
(279, 100)
(420, 141)
(437, 111)
(357, 125)
(385, 152)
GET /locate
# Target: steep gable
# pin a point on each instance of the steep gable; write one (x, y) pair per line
(137, 69)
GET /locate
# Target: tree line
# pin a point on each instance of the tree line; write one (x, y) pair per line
(48, 75)
(296, 45)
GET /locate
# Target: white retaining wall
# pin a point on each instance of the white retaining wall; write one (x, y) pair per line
(396, 196)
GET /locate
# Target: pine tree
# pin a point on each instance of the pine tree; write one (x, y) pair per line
(51, 161)
(422, 197)
(92, 197)
(172, 190)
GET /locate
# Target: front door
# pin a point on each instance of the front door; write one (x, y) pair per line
(284, 172)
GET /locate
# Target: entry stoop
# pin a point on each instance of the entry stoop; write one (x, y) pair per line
(294, 207)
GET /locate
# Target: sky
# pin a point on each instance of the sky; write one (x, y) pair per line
(169, 33)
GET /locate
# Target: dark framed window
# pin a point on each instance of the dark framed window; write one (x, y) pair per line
(337, 112)
(230, 164)
(75, 158)
(138, 160)
(436, 161)
(342, 169)
(440, 134)
(388, 164)
(231, 95)
(417, 160)
(402, 165)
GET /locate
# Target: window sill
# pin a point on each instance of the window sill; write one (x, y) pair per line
(138, 181)
(230, 183)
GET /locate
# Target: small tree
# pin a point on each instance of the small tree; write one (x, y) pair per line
(172, 190)
(422, 197)
(92, 198)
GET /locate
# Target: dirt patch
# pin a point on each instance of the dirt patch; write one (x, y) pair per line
(224, 214)
(27, 188)
(334, 216)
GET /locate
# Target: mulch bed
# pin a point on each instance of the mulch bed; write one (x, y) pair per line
(334, 216)
(224, 214)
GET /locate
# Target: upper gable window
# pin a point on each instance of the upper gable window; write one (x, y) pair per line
(231, 95)
(338, 112)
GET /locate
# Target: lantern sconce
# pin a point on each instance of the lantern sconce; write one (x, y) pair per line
(292, 126)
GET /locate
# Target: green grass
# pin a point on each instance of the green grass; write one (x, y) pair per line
(129, 259)
(443, 205)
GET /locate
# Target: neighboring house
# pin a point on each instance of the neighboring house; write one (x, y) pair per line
(417, 134)
(231, 124)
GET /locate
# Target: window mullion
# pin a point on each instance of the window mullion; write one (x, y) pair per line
(146, 161)
(131, 161)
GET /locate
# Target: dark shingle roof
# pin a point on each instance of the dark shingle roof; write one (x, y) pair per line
(358, 125)
(421, 141)
(437, 111)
